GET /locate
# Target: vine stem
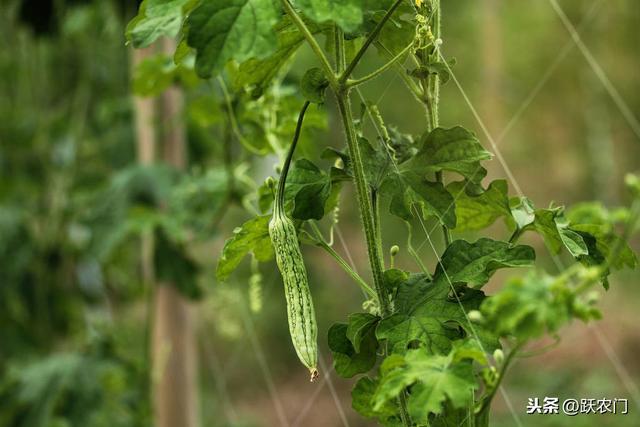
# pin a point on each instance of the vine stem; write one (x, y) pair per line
(370, 39)
(431, 96)
(364, 201)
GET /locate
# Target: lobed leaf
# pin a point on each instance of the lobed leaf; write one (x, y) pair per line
(407, 189)
(455, 149)
(528, 307)
(224, 30)
(428, 315)
(312, 191)
(157, 18)
(434, 380)
(252, 236)
(259, 72)
(361, 401)
(475, 212)
(475, 263)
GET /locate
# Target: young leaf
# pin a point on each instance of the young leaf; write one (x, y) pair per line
(475, 263)
(314, 85)
(434, 379)
(476, 212)
(527, 307)
(253, 237)
(522, 211)
(601, 241)
(361, 401)
(456, 149)
(554, 229)
(376, 163)
(222, 30)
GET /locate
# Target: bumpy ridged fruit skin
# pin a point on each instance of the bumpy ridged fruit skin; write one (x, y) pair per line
(300, 312)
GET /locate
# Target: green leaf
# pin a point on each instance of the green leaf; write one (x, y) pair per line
(573, 241)
(360, 324)
(361, 400)
(408, 189)
(394, 277)
(376, 163)
(224, 30)
(157, 18)
(311, 190)
(456, 149)
(475, 263)
(522, 211)
(601, 241)
(397, 33)
(435, 68)
(427, 314)
(252, 237)
(314, 85)
(475, 212)
(346, 360)
(589, 213)
(346, 13)
(528, 307)
(553, 227)
(260, 72)
(434, 380)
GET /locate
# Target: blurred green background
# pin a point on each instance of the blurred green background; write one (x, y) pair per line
(75, 204)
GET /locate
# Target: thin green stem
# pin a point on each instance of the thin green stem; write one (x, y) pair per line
(431, 93)
(341, 261)
(313, 43)
(486, 402)
(338, 39)
(404, 412)
(516, 235)
(370, 39)
(385, 67)
(402, 72)
(375, 207)
(232, 117)
(279, 204)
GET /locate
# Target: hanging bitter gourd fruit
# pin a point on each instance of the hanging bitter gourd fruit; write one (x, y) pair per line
(300, 312)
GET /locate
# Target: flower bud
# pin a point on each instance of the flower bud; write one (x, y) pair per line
(498, 356)
(475, 316)
(394, 250)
